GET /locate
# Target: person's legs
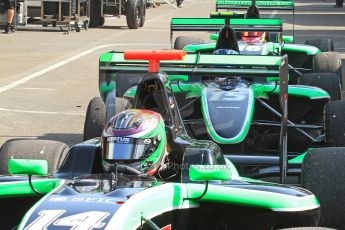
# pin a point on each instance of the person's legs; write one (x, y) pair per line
(9, 6)
(339, 3)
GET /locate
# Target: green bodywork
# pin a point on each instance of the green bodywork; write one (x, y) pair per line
(172, 196)
(209, 172)
(23, 189)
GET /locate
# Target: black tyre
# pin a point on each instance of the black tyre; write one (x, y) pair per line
(133, 13)
(96, 116)
(142, 15)
(326, 81)
(335, 123)
(328, 62)
(324, 45)
(323, 174)
(95, 119)
(53, 152)
(182, 41)
(86, 25)
(126, 80)
(76, 27)
(96, 18)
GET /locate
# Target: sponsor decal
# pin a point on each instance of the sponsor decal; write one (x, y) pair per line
(121, 140)
(80, 221)
(226, 97)
(147, 141)
(86, 200)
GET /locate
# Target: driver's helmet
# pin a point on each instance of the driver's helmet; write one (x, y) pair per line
(135, 138)
(253, 37)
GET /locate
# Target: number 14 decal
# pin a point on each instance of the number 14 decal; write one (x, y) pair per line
(80, 221)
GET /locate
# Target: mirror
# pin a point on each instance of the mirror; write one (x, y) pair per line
(209, 172)
(28, 167)
(288, 39)
(178, 77)
(214, 37)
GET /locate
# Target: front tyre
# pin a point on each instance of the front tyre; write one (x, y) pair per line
(335, 124)
(96, 116)
(95, 119)
(323, 174)
(54, 152)
(182, 41)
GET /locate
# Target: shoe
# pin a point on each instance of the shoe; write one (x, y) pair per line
(180, 4)
(8, 29)
(338, 6)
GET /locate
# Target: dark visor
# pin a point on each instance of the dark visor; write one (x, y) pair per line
(125, 148)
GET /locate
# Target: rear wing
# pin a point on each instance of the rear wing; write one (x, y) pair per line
(215, 24)
(203, 65)
(261, 4)
(212, 65)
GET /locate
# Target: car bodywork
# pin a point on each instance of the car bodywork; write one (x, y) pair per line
(242, 116)
(82, 196)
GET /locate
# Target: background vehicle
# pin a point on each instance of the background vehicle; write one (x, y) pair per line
(308, 65)
(134, 10)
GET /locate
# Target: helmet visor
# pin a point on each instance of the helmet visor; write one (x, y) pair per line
(125, 148)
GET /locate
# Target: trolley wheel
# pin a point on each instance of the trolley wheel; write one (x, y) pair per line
(86, 25)
(45, 24)
(76, 26)
(54, 24)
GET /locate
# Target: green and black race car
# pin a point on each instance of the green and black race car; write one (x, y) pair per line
(145, 172)
(313, 63)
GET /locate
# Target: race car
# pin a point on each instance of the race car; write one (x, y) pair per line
(145, 172)
(313, 64)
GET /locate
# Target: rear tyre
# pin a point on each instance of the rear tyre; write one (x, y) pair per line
(96, 13)
(335, 123)
(324, 45)
(326, 81)
(182, 41)
(328, 62)
(54, 152)
(323, 175)
(133, 13)
(96, 116)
